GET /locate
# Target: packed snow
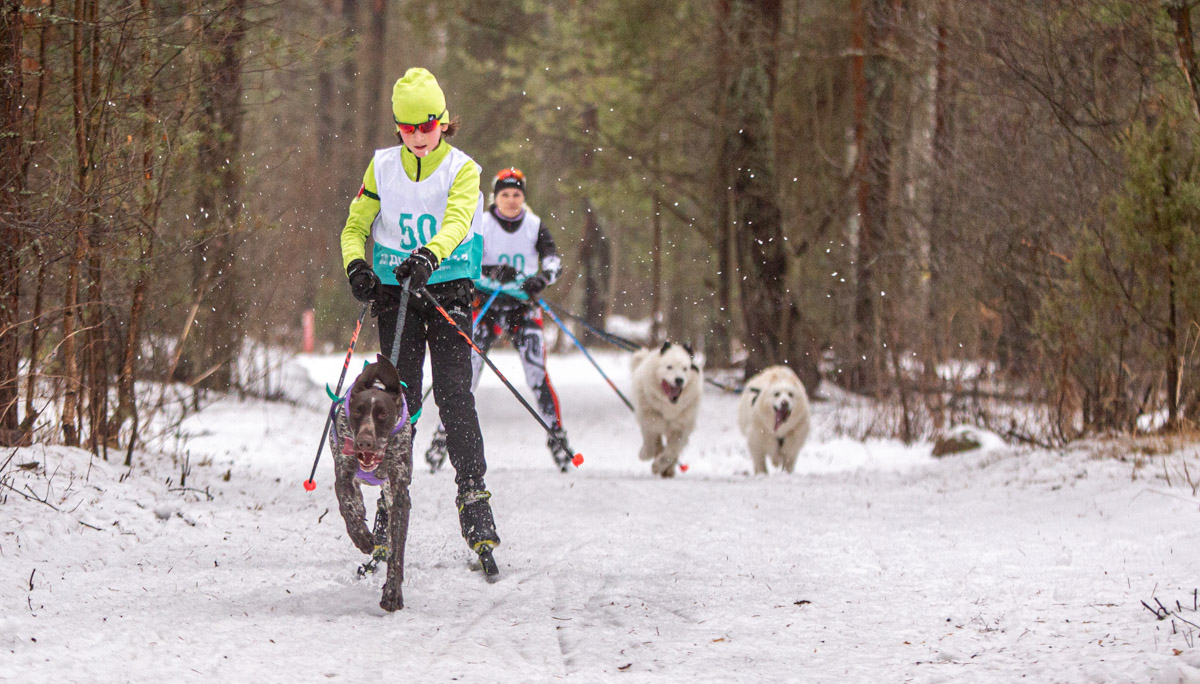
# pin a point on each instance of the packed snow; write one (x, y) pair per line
(873, 562)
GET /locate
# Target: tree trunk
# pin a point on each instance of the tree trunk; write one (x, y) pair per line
(12, 235)
(935, 334)
(1174, 367)
(1181, 15)
(374, 118)
(31, 133)
(594, 250)
(323, 191)
(71, 374)
(718, 348)
(95, 353)
(939, 234)
(750, 164)
(126, 398)
(656, 267)
(349, 99)
(1174, 357)
(873, 79)
(326, 93)
(94, 313)
(35, 329)
(218, 201)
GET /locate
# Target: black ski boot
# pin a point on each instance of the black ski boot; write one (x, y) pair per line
(379, 533)
(436, 454)
(559, 449)
(479, 527)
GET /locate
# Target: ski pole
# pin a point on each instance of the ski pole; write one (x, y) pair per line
(583, 349)
(309, 484)
(401, 314)
(474, 326)
(577, 460)
(615, 340)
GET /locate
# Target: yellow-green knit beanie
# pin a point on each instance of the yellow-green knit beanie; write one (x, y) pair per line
(417, 98)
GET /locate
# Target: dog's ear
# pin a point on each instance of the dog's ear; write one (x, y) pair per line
(386, 373)
(691, 355)
(665, 347)
(365, 379)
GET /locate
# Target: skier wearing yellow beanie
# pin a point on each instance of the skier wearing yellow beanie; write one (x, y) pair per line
(420, 203)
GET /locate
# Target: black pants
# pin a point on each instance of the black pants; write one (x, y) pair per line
(450, 357)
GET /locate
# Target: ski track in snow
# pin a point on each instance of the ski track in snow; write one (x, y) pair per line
(872, 563)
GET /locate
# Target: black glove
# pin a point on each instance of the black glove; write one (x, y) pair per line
(534, 285)
(363, 281)
(417, 268)
(504, 273)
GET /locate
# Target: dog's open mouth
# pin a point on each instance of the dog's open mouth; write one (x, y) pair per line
(368, 461)
(781, 415)
(672, 391)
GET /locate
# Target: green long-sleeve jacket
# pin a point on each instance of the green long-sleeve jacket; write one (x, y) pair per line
(455, 226)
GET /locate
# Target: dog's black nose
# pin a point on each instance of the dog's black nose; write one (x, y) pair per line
(679, 382)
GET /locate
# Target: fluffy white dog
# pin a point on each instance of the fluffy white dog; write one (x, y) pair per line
(773, 415)
(666, 394)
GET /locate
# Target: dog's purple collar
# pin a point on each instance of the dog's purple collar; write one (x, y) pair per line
(370, 478)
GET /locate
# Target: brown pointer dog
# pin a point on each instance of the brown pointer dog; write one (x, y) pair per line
(372, 442)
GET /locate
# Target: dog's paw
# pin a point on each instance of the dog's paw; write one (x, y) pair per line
(663, 469)
(392, 600)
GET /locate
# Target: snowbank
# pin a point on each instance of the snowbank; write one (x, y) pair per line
(874, 562)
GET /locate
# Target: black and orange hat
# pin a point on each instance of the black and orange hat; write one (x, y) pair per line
(512, 177)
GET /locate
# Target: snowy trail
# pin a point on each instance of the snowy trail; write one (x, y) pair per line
(876, 563)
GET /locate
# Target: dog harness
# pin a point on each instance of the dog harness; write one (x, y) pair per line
(342, 440)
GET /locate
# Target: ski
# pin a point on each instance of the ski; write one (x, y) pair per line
(379, 555)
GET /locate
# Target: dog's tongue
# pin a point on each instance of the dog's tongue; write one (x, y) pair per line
(368, 461)
(672, 391)
(781, 415)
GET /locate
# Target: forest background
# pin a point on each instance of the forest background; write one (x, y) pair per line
(980, 210)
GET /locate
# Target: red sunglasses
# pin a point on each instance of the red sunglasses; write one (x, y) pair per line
(510, 173)
(427, 127)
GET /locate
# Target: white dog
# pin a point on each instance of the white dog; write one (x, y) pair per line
(666, 393)
(773, 414)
